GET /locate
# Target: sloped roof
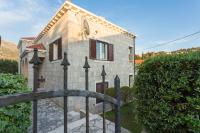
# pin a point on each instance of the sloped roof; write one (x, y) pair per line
(69, 6)
(28, 38)
(38, 46)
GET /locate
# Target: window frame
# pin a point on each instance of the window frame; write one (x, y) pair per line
(106, 53)
(57, 42)
(55, 51)
(102, 45)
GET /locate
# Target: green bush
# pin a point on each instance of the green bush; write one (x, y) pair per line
(14, 118)
(168, 93)
(110, 92)
(126, 93)
(8, 66)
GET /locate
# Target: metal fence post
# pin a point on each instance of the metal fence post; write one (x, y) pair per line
(87, 66)
(65, 63)
(103, 74)
(117, 107)
(35, 61)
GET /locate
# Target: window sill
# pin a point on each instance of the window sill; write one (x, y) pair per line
(103, 61)
(55, 61)
(99, 60)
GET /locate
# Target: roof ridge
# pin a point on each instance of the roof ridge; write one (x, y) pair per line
(68, 6)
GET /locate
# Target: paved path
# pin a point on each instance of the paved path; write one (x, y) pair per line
(50, 116)
(50, 120)
(96, 124)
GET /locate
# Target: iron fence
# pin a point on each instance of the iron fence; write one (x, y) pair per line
(36, 94)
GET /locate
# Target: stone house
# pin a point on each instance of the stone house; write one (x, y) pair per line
(80, 33)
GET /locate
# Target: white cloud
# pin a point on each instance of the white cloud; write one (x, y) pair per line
(11, 17)
(32, 13)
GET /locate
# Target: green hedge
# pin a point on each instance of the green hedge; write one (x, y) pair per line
(14, 118)
(168, 93)
(126, 93)
(8, 66)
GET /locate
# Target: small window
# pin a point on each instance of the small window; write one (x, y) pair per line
(130, 50)
(101, 50)
(131, 80)
(131, 55)
(55, 50)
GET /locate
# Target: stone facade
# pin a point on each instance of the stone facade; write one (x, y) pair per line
(69, 28)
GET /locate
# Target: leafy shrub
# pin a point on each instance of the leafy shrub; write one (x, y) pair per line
(126, 93)
(14, 118)
(8, 66)
(110, 92)
(168, 93)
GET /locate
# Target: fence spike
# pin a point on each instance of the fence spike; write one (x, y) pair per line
(65, 61)
(86, 65)
(117, 107)
(103, 74)
(35, 60)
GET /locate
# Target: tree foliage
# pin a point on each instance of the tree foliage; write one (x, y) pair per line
(14, 118)
(168, 93)
(8, 66)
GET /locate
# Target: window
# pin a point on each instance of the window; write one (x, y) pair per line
(131, 55)
(131, 80)
(55, 50)
(100, 89)
(101, 50)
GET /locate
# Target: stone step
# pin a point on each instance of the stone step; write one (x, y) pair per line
(96, 126)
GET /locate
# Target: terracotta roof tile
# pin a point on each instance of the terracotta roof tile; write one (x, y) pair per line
(38, 46)
(139, 61)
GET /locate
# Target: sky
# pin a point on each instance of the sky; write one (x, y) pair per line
(152, 21)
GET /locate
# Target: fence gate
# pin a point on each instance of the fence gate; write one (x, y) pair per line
(36, 95)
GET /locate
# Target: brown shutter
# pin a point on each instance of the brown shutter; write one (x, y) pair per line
(59, 42)
(51, 52)
(110, 52)
(92, 49)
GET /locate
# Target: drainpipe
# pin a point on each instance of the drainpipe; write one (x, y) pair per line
(134, 55)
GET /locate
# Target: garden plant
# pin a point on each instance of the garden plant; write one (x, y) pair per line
(168, 93)
(14, 118)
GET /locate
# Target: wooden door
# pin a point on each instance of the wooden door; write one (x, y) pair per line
(100, 89)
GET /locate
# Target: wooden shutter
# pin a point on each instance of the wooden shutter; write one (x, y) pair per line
(92, 49)
(51, 52)
(59, 42)
(110, 52)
